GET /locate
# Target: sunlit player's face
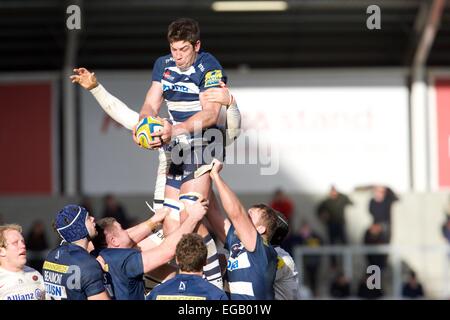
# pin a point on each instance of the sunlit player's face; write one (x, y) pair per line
(184, 53)
(15, 251)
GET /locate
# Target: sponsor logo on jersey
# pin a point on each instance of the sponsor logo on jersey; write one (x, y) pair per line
(25, 296)
(52, 277)
(212, 78)
(182, 287)
(176, 87)
(167, 75)
(55, 291)
(61, 268)
(240, 262)
(39, 294)
(236, 250)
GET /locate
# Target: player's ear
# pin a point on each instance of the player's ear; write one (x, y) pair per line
(2, 252)
(197, 46)
(261, 229)
(114, 242)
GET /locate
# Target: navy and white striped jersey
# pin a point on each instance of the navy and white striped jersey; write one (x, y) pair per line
(250, 275)
(181, 89)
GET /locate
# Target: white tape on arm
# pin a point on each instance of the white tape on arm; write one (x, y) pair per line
(233, 122)
(115, 108)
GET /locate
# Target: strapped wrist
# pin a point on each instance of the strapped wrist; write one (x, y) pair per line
(152, 225)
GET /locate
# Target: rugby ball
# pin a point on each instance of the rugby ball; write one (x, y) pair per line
(145, 128)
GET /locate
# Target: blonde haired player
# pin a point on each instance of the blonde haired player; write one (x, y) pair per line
(17, 281)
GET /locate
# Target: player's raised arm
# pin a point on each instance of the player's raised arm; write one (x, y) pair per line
(144, 229)
(219, 223)
(114, 107)
(235, 211)
(157, 256)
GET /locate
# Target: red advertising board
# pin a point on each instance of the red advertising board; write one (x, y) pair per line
(442, 87)
(26, 138)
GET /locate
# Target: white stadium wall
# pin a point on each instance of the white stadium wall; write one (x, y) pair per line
(349, 128)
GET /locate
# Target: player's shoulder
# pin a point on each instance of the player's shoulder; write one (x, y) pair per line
(282, 253)
(30, 271)
(162, 287)
(83, 259)
(166, 60)
(6, 275)
(206, 61)
(211, 289)
(285, 259)
(118, 253)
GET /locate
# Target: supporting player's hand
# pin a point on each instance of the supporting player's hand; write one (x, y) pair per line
(221, 95)
(198, 209)
(217, 167)
(160, 215)
(84, 78)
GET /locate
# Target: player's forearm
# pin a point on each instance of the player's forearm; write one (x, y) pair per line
(115, 108)
(148, 110)
(172, 239)
(201, 120)
(142, 230)
(230, 201)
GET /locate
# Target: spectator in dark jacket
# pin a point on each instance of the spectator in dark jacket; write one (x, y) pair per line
(375, 235)
(331, 212)
(340, 287)
(412, 289)
(311, 262)
(380, 207)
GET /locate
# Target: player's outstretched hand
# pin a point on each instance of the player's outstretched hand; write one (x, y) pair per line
(84, 78)
(216, 168)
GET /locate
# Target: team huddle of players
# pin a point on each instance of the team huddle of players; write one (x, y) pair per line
(173, 254)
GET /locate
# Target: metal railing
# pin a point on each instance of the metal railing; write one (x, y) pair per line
(395, 253)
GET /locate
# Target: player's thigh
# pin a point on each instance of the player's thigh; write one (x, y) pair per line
(170, 224)
(200, 185)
